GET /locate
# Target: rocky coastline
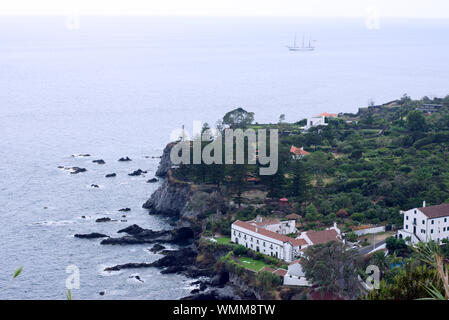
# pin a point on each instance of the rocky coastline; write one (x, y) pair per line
(171, 200)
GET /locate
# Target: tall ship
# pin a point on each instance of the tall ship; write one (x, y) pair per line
(303, 47)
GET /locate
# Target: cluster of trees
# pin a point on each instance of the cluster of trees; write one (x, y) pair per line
(423, 275)
(372, 167)
(332, 269)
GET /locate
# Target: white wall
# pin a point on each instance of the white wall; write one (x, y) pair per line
(426, 229)
(290, 280)
(272, 246)
(370, 230)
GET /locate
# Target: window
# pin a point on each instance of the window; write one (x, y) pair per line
(432, 221)
(431, 230)
(257, 241)
(424, 222)
(406, 226)
(264, 243)
(444, 229)
(406, 217)
(445, 219)
(414, 212)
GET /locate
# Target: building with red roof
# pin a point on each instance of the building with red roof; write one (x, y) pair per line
(257, 237)
(426, 223)
(298, 153)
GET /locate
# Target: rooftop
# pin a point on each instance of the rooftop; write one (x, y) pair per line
(293, 216)
(264, 222)
(268, 233)
(268, 269)
(299, 151)
(441, 210)
(323, 236)
(325, 114)
(280, 272)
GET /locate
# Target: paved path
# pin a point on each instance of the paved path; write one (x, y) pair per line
(369, 248)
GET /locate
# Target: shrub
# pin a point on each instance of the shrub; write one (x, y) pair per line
(268, 280)
(240, 250)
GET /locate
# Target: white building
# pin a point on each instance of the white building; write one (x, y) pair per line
(275, 225)
(315, 121)
(426, 223)
(265, 241)
(319, 120)
(295, 276)
(322, 236)
(262, 238)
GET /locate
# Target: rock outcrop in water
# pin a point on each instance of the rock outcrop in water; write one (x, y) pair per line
(137, 172)
(178, 259)
(137, 235)
(93, 235)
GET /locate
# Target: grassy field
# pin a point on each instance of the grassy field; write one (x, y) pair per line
(252, 264)
(223, 240)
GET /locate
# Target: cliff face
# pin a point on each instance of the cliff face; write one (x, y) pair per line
(169, 199)
(165, 164)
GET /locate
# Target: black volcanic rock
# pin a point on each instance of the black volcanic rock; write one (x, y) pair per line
(124, 159)
(128, 266)
(95, 186)
(211, 295)
(111, 175)
(76, 170)
(152, 180)
(176, 259)
(81, 155)
(137, 172)
(93, 235)
(138, 235)
(99, 161)
(125, 209)
(157, 247)
(105, 219)
(132, 230)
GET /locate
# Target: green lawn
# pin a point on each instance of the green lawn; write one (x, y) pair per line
(223, 240)
(252, 264)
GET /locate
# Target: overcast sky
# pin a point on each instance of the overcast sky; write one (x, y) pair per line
(313, 8)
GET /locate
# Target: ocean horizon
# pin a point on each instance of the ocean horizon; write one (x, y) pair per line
(113, 86)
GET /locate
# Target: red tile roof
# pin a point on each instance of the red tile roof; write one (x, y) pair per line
(280, 272)
(268, 269)
(293, 216)
(323, 236)
(267, 233)
(441, 210)
(298, 242)
(299, 151)
(325, 114)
